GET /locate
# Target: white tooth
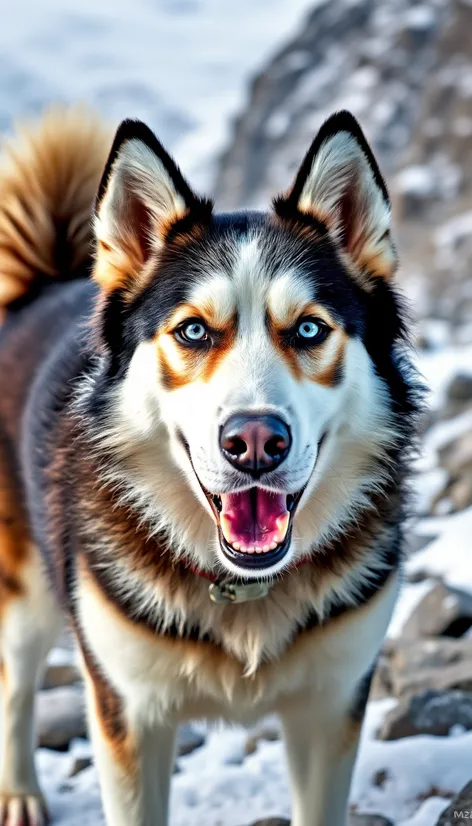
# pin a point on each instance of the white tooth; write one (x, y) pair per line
(273, 546)
(265, 548)
(249, 550)
(236, 546)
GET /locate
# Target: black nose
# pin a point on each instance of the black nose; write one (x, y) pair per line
(255, 444)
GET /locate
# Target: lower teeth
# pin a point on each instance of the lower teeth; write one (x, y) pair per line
(255, 549)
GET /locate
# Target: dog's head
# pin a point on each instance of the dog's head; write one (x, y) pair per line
(248, 372)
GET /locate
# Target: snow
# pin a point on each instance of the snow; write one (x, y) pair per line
(439, 366)
(449, 555)
(182, 65)
(218, 785)
(445, 432)
(416, 180)
(449, 237)
(409, 781)
(421, 17)
(411, 596)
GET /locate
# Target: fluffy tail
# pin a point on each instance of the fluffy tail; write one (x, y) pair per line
(49, 176)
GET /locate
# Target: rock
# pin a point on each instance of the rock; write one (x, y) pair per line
(399, 68)
(460, 388)
(460, 492)
(431, 712)
(417, 542)
(355, 819)
(456, 454)
(381, 686)
(369, 820)
(431, 664)
(188, 739)
(303, 84)
(459, 810)
(79, 764)
(455, 457)
(380, 778)
(272, 821)
(60, 717)
(268, 730)
(60, 675)
(443, 611)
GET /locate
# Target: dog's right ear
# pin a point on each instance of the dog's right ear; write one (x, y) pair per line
(141, 198)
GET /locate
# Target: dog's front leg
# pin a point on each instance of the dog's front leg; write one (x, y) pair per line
(133, 757)
(321, 736)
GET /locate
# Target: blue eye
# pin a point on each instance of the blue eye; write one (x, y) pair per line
(308, 329)
(192, 332)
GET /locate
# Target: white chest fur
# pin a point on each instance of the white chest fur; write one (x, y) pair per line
(166, 677)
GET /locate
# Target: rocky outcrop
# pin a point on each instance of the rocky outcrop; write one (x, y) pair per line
(346, 55)
(460, 809)
(60, 717)
(405, 70)
(431, 712)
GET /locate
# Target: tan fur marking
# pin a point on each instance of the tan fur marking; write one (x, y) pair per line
(179, 365)
(329, 374)
(292, 312)
(207, 311)
(218, 353)
(290, 357)
(15, 548)
(109, 712)
(126, 269)
(288, 353)
(174, 374)
(123, 266)
(379, 264)
(49, 175)
(306, 364)
(112, 268)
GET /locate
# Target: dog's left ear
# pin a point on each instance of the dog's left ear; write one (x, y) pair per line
(141, 198)
(339, 186)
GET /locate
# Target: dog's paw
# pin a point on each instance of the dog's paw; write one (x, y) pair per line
(22, 810)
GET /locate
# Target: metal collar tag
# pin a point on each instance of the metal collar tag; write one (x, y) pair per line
(231, 591)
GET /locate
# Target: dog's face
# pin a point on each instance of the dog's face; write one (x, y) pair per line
(239, 348)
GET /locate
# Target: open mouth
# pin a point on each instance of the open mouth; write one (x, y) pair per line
(254, 525)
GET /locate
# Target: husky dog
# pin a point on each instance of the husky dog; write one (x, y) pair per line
(205, 427)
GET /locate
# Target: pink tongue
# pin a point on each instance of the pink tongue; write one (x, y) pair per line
(254, 518)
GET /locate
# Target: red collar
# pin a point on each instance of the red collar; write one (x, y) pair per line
(231, 589)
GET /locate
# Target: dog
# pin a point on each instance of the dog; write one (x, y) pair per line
(206, 424)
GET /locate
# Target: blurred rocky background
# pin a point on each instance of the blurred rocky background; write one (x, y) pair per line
(405, 70)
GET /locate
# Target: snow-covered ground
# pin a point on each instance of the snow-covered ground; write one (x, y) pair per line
(183, 65)
(219, 785)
